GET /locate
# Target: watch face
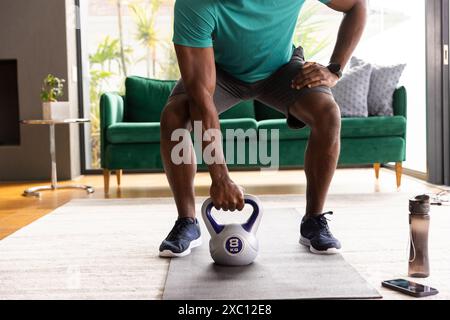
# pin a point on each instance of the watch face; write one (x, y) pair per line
(334, 67)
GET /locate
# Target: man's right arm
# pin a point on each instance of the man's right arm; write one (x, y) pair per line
(198, 72)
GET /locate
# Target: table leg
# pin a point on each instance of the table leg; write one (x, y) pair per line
(53, 157)
(34, 192)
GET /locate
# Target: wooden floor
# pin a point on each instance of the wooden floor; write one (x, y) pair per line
(17, 211)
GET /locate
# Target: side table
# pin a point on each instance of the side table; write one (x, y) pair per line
(34, 192)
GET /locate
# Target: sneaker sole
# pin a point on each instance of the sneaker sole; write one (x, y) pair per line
(305, 242)
(170, 254)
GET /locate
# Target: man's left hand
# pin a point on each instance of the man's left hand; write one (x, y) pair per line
(314, 75)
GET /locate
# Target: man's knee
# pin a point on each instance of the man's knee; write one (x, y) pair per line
(175, 115)
(320, 111)
(327, 124)
(329, 117)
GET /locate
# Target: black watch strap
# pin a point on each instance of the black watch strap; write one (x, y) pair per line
(335, 68)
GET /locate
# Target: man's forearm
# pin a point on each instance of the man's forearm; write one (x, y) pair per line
(350, 33)
(202, 109)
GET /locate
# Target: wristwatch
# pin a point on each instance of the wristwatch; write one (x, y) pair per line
(335, 68)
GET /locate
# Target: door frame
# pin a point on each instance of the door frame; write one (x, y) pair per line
(438, 115)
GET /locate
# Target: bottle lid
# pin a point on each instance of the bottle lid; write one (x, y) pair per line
(420, 204)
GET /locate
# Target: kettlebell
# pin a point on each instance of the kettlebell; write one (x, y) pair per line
(233, 244)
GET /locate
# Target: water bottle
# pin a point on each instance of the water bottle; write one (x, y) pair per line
(419, 224)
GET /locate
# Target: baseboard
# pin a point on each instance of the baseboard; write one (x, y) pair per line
(409, 172)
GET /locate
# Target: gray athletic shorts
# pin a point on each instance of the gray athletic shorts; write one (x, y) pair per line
(275, 91)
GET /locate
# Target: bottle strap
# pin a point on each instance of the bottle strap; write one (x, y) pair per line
(411, 240)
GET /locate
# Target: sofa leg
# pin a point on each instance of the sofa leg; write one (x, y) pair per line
(377, 166)
(106, 176)
(119, 176)
(398, 173)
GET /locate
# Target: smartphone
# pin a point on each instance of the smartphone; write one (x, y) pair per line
(409, 288)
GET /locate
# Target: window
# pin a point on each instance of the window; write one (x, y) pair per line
(122, 38)
(133, 37)
(395, 33)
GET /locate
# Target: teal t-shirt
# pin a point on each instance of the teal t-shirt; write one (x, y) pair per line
(251, 38)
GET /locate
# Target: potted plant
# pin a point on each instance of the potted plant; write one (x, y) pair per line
(52, 90)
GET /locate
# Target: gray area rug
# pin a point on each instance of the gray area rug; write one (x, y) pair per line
(89, 249)
(283, 270)
(108, 249)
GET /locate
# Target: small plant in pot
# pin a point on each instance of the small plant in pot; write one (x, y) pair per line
(52, 90)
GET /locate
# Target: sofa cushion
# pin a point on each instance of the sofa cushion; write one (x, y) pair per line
(145, 98)
(245, 109)
(133, 132)
(352, 90)
(234, 124)
(351, 128)
(384, 80)
(149, 132)
(374, 127)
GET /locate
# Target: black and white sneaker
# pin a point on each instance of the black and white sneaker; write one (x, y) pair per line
(185, 235)
(315, 234)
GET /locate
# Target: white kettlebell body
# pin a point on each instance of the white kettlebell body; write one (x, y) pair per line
(233, 244)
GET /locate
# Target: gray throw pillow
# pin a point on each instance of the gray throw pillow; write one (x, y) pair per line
(351, 91)
(383, 83)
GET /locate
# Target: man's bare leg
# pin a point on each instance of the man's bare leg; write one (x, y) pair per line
(180, 177)
(321, 113)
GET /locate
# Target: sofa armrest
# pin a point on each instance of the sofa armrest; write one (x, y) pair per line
(111, 109)
(400, 102)
(111, 112)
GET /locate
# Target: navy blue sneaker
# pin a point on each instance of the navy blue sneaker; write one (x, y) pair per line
(185, 235)
(315, 234)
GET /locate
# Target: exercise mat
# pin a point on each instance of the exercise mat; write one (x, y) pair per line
(283, 270)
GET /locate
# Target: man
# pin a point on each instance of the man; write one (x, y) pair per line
(234, 50)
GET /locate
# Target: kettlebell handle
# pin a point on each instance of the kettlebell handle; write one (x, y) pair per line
(251, 225)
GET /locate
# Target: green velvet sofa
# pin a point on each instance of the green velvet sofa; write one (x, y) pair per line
(130, 132)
